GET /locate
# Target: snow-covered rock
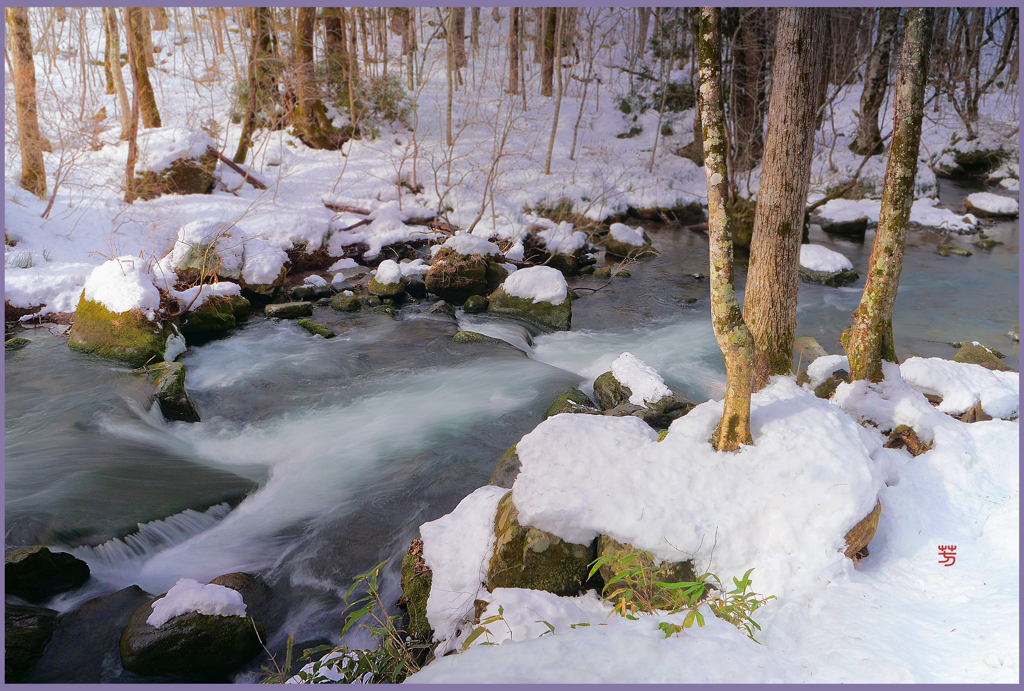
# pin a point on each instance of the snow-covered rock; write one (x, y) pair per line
(990, 205)
(819, 258)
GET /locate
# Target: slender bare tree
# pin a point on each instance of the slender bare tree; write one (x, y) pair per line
(137, 24)
(876, 80)
(114, 61)
(33, 171)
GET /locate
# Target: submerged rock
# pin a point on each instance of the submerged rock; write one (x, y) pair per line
(36, 574)
(416, 582)
(289, 310)
(977, 354)
(16, 343)
(508, 469)
(860, 535)
(27, 630)
(127, 336)
(174, 401)
(948, 250)
(833, 279)
(526, 557)
(986, 243)
(473, 337)
(315, 328)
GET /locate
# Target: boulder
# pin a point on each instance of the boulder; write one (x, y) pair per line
(854, 228)
(416, 581)
(508, 469)
(948, 250)
(315, 328)
(289, 310)
(618, 249)
(174, 401)
(475, 304)
(36, 574)
(664, 571)
(454, 277)
(129, 336)
(986, 243)
(190, 643)
(1014, 333)
(833, 279)
(215, 317)
(496, 275)
(971, 164)
(809, 349)
(474, 337)
(16, 343)
(525, 557)
(389, 290)
(664, 411)
(987, 205)
(256, 594)
(572, 401)
(183, 176)
(213, 256)
(609, 392)
(828, 387)
(346, 303)
(264, 291)
(416, 288)
(860, 535)
(545, 314)
(27, 630)
(977, 354)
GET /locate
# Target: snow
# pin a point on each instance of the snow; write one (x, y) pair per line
(123, 284)
(457, 548)
(822, 368)
(539, 284)
(818, 258)
(643, 381)
(160, 147)
(387, 226)
(623, 233)
(562, 239)
(174, 346)
(189, 595)
(342, 264)
(314, 280)
(963, 385)
(993, 203)
(414, 268)
(1010, 184)
(923, 212)
(195, 296)
(468, 244)
(388, 272)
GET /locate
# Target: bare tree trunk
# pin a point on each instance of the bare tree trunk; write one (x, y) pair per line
(114, 59)
(108, 62)
(137, 30)
(643, 21)
(560, 14)
(134, 63)
(876, 79)
(772, 282)
(310, 116)
(748, 81)
(474, 28)
(259, 51)
(870, 339)
(513, 50)
(449, 66)
(547, 63)
(33, 170)
(147, 35)
(336, 47)
(458, 36)
(731, 332)
(160, 22)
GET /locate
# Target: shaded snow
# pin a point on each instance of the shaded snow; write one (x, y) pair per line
(623, 233)
(189, 595)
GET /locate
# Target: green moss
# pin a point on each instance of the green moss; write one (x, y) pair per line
(387, 290)
(558, 317)
(496, 275)
(346, 303)
(454, 277)
(609, 392)
(315, 329)
(416, 584)
(129, 336)
(570, 402)
(15, 343)
(980, 355)
(174, 401)
(473, 337)
(475, 304)
(214, 318)
(508, 469)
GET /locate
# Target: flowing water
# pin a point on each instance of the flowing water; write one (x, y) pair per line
(317, 459)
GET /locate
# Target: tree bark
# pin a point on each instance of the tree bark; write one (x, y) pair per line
(643, 21)
(336, 48)
(160, 22)
(731, 332)
(33, 170)
(870, 339)
(114, 59)
(137, 30)
(474, 28)
(458, 37)
(772, 282)
(547, 63)
(750, 50)
(876, 79)
(310, 116)
(560, 14)
(513, 50)
(134, 62)
(259, 51)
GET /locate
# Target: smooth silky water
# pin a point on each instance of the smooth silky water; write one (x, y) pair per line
(317, 459)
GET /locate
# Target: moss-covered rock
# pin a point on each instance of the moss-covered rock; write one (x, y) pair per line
(183, 176)
(16, 343)
(315, 328)
(190, 643)
(387, 289)
(855, 228)
(473, 337)
(214, 318)
(949, 250)
(508, 469)
(664, 411)
(264, 291)
(572, 401)
(545, 314)
(128, 336)
(496, 275)
(602, 272)
(809, 350)
(174, 401)
(986, 243)
(833, 279)
(525, 557)
(454, 277)
(860, 535)
(416, 581)
(664, 571)
(203, 261)
(977, 354)
(615, 249)
(441, 308)
(974, 164)
(36, 574)
(289, 310)
(27, 630)
(609, 392)
(475, 304)
(346, 303)
(828, 387)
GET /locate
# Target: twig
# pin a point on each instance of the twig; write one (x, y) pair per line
(835, 194)
(245, 175)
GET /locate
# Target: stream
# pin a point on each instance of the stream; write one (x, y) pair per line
(318, 459)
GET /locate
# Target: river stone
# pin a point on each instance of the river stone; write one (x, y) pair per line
(526, 557)
(557, 317)
(1014, 333)
(441, 308)
(508, 469)
(315, 328)
(660, 414)
(16, 343)
(833, 279)
(904, 437)
(622, 250)
(346, 303)
(416, 581)
(971, 164)
(183, 176)
(473, 337)
(572, 401)
(289, 310)
(475, 304)
(860, 535)
(174, 401)
(947, 250)
(986, 243)
(623, 409)
(129, 336)
(609, 392)
(264, 291)
(256, 594)
(496, 275)
(454, 277)
(416, 288)
(27, 630)
(190, 643)
(387, 290)
(603, 272)
(980, 355)
(664, 571)
(855, 228)
(808, 348)
(36, 574)
(84, 648)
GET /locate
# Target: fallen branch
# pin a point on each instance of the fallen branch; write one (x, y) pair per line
(346, 209)
(238, 169)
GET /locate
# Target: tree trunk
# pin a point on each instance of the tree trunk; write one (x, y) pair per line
(259, 51)
(309, 117)
(547, 62)
(876, 79)
(108, 62)
(160, 22)
(513, 50)
(750, 50)
(474, 28)
(135, 61)
(770, 303)
(870, 339)
(449, 69)
(730, 330)
(137, 30)
(458, 37)
(643, 21)
(336, 48)
(33, 170)
(114, 58)
(560, 15)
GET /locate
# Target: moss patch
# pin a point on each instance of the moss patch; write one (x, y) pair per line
(558, 317)
(346, 303)
(174, 401)
(315, 328)
(454, 277)
(388, 289)
(609, 392)
(572, 401)
(16, 343)
(184, 176)
(215, 318)
(980, 355)
(129, 336)
(416, 581)
(508, 469)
